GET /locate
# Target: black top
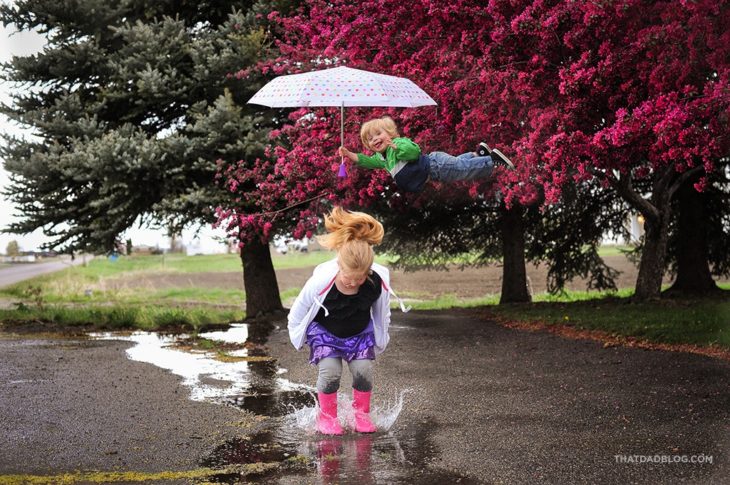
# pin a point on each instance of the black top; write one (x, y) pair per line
(349, 314)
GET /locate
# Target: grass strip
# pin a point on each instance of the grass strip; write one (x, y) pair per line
(117, 317)
(704, 322)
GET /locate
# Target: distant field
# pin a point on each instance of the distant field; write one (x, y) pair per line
(103, 267)
(124, 294)
(91, 283)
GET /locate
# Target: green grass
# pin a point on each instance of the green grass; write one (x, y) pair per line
(569, 296)
(445, 302)
(422, 301)
(692, 321)
(73, 284)
(613, 250)
(121, 317)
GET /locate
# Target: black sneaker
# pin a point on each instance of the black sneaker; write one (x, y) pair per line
(500, 160)
(483, 150)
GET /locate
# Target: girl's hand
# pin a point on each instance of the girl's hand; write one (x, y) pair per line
(344, 152)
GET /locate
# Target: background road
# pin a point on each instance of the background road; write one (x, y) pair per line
(22, 271)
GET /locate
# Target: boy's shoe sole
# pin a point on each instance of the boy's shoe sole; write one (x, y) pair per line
(501, 159)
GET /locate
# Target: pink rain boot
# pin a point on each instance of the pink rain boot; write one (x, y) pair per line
(361, 404)
(327, 422)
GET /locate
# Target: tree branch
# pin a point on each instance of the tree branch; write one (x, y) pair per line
(665, 180)
(682, 179)
(625, 188)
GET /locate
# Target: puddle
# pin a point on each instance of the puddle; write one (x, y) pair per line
(361, 459)
(290, 438)
(209, 377)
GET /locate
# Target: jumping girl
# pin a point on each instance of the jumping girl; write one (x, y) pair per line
(343, 314)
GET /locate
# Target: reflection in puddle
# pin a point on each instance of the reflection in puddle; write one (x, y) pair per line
(354, 458)
(290, 440)
(208, 377)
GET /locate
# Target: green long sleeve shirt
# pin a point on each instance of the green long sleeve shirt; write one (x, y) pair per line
(406, 151)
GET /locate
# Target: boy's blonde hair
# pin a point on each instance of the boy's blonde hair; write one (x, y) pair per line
(385, 123)
(352, 235)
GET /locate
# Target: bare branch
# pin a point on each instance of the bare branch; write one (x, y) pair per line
(625, 188)
(682, 179)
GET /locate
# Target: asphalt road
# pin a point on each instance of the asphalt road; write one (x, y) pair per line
(81, 405)
(486, 403)
(23, 271)
(509, 406)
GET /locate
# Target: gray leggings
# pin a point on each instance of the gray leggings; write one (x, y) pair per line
(330, 372)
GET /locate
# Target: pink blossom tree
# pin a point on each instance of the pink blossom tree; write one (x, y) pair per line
(632, 94)
(641, 100)
(305, 163)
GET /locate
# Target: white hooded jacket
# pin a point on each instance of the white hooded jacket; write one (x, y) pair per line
(307, 304)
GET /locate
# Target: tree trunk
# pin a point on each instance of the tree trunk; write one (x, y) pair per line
(651, 267)
(693, 267)
(514, 274)
(259, 280)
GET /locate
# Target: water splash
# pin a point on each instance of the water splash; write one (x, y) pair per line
(292, 440)
(383, 415)
(386, 416)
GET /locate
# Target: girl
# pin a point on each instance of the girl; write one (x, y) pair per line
(411, 169)
(343, 313)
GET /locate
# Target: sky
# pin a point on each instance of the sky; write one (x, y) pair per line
(28, 43)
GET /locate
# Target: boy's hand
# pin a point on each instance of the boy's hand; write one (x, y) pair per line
(344, 152)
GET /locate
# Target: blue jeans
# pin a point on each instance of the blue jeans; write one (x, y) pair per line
(467, 166)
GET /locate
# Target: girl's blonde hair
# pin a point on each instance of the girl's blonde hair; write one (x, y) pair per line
(352, 235)
(385, 123)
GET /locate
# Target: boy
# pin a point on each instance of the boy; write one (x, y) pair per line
(410, 169)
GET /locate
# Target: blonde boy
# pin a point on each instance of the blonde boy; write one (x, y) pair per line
(410, 168)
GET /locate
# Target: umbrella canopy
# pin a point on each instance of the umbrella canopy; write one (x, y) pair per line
(341, 86)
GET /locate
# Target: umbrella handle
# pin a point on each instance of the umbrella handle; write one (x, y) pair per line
(342, 172)
(342, 124)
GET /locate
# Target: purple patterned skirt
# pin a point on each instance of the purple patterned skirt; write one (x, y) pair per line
(323, 344)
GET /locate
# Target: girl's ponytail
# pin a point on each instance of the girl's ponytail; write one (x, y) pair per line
(344, 226)
(352, 235)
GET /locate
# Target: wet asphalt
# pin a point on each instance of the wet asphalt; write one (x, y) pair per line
(507, 406)
(69, 405)
(485, 404)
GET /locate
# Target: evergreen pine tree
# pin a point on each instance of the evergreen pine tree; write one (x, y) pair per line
(126, 104)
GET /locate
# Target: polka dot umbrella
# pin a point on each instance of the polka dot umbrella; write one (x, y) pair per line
(341, 86)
